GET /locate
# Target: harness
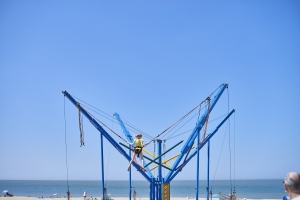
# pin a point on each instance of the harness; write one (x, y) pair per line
(138, 149)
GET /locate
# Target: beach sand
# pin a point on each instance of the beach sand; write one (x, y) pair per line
(78, 198)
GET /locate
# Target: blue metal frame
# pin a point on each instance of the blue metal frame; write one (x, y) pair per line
(156, 183)
(208, 162)
(107, 136)
(209, 136)
(194, 133)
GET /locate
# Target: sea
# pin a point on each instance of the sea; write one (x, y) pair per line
(249, 189)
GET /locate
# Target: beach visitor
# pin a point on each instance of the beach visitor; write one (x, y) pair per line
(84, 195)
(69, 196)
(138, 149)
(292, 185)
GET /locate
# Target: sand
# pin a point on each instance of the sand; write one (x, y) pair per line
(113, 198)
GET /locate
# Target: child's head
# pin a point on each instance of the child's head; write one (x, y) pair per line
(138, 136)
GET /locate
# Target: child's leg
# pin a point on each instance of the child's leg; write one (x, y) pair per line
(131, 161)
(142, 157)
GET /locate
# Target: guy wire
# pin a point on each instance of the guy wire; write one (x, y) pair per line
(66, 142)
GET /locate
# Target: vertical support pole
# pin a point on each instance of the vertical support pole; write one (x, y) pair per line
(159, 176)
(152, 189)
(130, 175)
(208, 162)
(156, 190)
(197, 173)
(102, 165)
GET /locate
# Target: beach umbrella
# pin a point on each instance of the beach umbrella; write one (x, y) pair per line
(56, 194)
(5, 191)
(216, 195)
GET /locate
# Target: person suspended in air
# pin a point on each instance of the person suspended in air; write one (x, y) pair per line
(138, 144)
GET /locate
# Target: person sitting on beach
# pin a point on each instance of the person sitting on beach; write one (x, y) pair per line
(292, 185)
(138, 149)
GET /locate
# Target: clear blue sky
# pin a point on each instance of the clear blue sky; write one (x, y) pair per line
(151, 62)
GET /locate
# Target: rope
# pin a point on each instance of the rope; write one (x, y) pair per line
(182, 126)
(107, 162)
(135, 195)
(169, 138)
(175, 123)
(206, 122)
(107, 165)
(80, 119)
(234, 154)
(135, 129)
(229, 146)
(107, 116)
(170, 126)
(105, 126)
(219, 156)
(68, 192)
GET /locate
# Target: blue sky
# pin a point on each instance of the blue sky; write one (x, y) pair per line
(151, 62)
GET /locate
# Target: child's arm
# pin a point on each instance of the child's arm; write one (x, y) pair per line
(130, 143)
(143, 143)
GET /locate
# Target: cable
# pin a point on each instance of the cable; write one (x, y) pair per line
(105, 126)
(182, 133)
(175, 122)
(107, 116)
(219, 156)
(229, 146)
(181, 126)
(68, 192)
(234, 153)
(135, 129)
(107, 164)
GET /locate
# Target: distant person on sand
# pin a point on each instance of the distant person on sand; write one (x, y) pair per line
(292, 185)
(68, 193)
(84, 195)
(138, 149)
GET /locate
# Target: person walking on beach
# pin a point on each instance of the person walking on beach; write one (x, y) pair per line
(138, 149)
(84, 195)
(292, 185)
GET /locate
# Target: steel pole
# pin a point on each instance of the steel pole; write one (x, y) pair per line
(197, 173)
(129, 176)
(208, 162)
(102, 164)
(159, 177)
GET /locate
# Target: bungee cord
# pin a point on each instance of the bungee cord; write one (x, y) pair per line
(133, 128)
(68, 191)
(187, 131)
(175, 122)
(228, 127)
(180, 126)
(80, 119)
(108, 117)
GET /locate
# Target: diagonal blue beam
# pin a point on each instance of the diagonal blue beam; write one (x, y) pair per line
(125, 131)
(105, 134)
(194, 133)
(209, 136)
(130, 139)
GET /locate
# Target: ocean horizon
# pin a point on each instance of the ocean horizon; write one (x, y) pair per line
(249, 189)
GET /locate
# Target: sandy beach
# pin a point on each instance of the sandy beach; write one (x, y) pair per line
(78, 198)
